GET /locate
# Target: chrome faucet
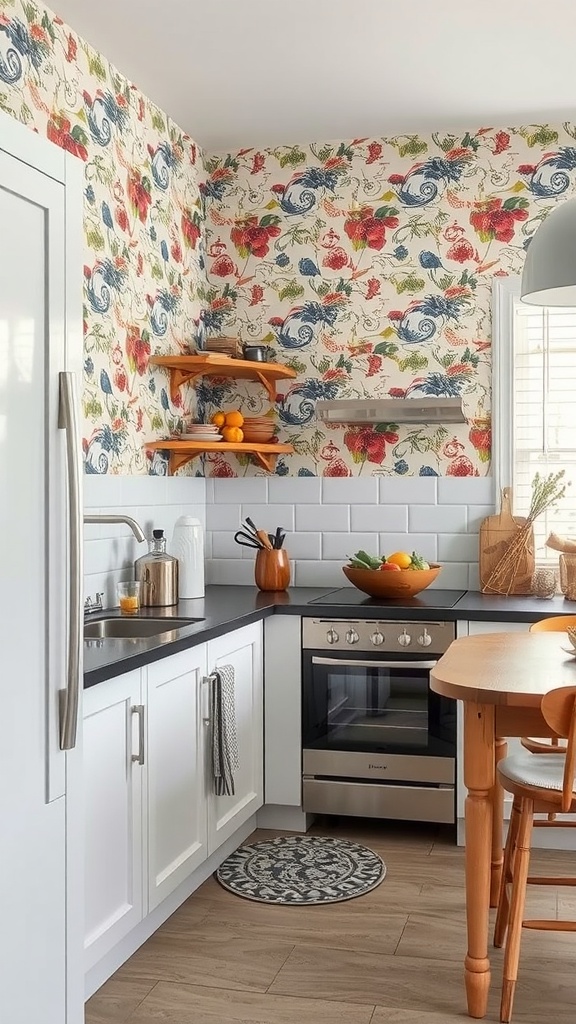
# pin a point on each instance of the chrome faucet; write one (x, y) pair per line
(136, 530)
(92, 605)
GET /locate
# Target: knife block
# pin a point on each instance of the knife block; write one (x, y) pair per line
(272, 569)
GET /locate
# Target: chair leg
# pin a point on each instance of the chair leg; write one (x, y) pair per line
(518, 898)
(502, 913)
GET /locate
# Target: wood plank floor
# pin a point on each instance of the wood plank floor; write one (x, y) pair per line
(393, 956)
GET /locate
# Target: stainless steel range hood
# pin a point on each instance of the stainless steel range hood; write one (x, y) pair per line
(391, 410)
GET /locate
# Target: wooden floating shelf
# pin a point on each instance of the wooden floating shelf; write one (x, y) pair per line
(182, 452)
(186, 368)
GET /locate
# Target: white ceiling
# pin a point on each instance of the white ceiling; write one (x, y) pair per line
(237, 73)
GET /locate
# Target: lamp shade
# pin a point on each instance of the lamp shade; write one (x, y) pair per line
(549, 275)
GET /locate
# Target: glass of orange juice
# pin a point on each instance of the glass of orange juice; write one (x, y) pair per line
(129, 597)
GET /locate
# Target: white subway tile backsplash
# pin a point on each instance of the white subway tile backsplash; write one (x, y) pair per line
(476, 513)
(392, 518)
(296, 490)
(268, 517)
(321, 517)
(437, 518)
(424, 544)
(144, 490)
(457, 547)
(320, 574)
(224, 517)
(102, 489)
(408, 490)
(473, 576)
(154, 502)
(328, 519)
(304, 545)
(454, 576)
(250, 490)
(185, 490)
(224, 546)
(232, 571)
(343, 545)
(349, 490)
(466, 490)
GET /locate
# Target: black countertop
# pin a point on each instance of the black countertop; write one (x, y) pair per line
(225, 608)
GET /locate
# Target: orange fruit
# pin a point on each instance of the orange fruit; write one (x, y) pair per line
(400, 558)
(218, 419)
(234, 418)
(233, 435)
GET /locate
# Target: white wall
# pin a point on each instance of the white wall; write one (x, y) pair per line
(330, 518)
(154, 502)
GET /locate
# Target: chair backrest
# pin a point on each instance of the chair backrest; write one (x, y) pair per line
(554, 624)
(559, 709)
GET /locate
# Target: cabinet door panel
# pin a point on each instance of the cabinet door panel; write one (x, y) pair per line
(243, 650)
(113, 815)
(176, 789)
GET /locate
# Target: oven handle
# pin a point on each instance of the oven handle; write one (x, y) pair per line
(335, 662)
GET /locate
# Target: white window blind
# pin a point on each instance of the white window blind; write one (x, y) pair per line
(541, 363)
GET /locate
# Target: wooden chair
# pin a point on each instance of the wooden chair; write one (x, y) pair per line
(552, 624)
(539, 784)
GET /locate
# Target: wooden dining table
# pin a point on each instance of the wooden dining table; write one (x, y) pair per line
(500, 679)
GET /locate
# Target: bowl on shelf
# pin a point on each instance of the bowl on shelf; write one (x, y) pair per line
(392, 585)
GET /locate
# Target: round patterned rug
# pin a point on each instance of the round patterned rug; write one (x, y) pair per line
(300, 870)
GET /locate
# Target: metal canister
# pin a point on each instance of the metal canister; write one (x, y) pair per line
(158, 574)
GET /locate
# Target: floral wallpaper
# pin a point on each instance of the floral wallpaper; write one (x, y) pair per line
(144, 276)
(367, 266)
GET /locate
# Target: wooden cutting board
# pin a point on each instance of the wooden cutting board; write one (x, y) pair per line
(496, 532)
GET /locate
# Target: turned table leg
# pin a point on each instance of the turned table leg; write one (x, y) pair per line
(479, 780)
(501, 749)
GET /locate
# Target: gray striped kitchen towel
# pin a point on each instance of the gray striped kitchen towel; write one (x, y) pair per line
(224, 736)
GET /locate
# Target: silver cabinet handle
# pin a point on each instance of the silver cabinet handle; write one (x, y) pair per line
(138, 709)
(349, 663)
(207, 684)
(69, 697)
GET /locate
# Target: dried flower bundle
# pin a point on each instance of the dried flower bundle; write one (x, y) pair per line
(546, 491)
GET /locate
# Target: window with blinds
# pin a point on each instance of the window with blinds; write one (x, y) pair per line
(543, 413)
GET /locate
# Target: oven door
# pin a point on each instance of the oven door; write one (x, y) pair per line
(375, 705)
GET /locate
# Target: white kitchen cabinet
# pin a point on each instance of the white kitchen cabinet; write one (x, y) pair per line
(113, 813)
(476, 628)
(150, 826)
(283, 711)
(176, 789)
(243, 650)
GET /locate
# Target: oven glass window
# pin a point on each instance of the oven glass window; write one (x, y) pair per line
(373, 707)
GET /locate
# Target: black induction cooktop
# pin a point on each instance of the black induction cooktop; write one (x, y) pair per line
(425, 599)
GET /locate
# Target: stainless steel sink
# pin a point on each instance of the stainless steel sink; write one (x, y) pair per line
(133, 628)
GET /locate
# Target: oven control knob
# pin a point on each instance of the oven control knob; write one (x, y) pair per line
(332, 636)
(352, 637)
(404, 639)
(377, 638)
(425, 640)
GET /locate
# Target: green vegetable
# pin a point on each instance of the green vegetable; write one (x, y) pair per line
(362, 560)
(418, 562)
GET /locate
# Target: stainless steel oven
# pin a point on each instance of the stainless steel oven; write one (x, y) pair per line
(377, 741)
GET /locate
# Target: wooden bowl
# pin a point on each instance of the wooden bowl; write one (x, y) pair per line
(391, 585)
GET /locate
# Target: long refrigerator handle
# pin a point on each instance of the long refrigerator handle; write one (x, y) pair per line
(69, 697)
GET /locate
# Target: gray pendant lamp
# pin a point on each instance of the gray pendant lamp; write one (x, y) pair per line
(549, 275)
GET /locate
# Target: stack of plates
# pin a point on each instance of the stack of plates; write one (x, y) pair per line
(259, 429)
(225, 346)
(201, 432)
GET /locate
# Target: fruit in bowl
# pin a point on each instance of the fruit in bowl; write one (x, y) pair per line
(398, 575)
